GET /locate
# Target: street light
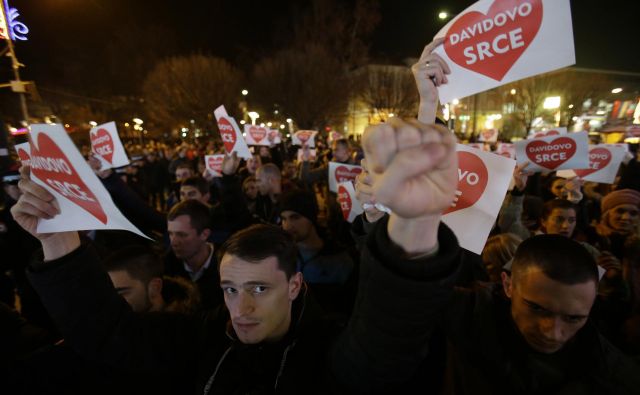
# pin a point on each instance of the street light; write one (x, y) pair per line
(138, 121)
(443, 15)
(616, 90)
(289, 120)
(551, 103)
(93, 123)
(253, 115)
(513, 91)
(245, 92)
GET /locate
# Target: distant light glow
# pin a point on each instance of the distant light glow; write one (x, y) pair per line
(616, 90)
(93, 123)
(551, 103)
(245, 92)
(443, 15)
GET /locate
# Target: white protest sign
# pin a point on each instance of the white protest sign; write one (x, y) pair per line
(604, 162)
(106, 145)
(230, 134)
(256, 135)
(548, 133)
(25, 154)
(333, 135)
(349, 204)
(312, 155)
(340, 172)
(483, 179)
(58, 166)
(304, 137)
(488, 136)
(494, 42)
(507, 150)
(274, 136)
(479, 146)
(213, 164)
(569, 151)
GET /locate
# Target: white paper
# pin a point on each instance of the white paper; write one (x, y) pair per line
(107, 147)
(213, 164)
(483, 178)
(304, 137)
(312, 155)
(604, 162)
(349, 204)
(527, 37)
(274, 136)
(570, 151)
(507, 150)
(58, 166)
(548, 133)
(256, 135)
(488, 135)
(340, 172)
(230, 134)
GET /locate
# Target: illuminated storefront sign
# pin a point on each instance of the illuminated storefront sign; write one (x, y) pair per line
(10, 27)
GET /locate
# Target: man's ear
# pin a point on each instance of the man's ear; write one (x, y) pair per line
(154, 292)
(206, 232)
(506, 284)
(295, 285)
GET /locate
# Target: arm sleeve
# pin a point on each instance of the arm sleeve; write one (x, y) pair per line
(310, 176)
(386, 338)
(510, 217)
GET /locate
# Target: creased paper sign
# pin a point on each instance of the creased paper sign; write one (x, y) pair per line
(312, 155)
(24, 153)
(604, 162)
(230, 134)
(107, 147)
(274, 136)
(256, 135)
(569, 151)
(304, 137)
(58, 166)
(548, 133)
(213, 163)
(340, 172)
(494, 42)
(483, 179)
(507, 150)
(349, 204)
(488, 135)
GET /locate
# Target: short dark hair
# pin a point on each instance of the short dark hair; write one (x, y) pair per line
(560, 258)
(197, 182)
(260, 241)
(197, 212)
(140, 262)
(343, 142)
(184, 165)
(553, 204)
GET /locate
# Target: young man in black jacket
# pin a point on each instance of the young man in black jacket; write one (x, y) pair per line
(268, 340)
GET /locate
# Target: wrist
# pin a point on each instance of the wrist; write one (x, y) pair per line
(60, 244)
(416, 236)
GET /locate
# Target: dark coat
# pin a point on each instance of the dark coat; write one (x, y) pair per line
(208, 285)
(383, 343)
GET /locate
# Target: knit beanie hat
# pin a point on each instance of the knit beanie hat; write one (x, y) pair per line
(616, 198)
(302, 202)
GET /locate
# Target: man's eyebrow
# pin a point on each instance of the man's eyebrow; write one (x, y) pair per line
(534, 304)
(254, 282)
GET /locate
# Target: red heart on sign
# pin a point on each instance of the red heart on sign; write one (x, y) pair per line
(345, 202)
(257, 134)
(473, 177)
(215, 163)
(343, 174)
(491, 43)
(24, 157)
(303, 136)
(599, 158)
(227, 133)
(553, 154)
(51, 165)
(102, 144)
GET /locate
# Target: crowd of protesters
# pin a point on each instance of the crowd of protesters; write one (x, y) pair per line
(256, 283)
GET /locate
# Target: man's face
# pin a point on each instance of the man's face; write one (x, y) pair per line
(133, 291)
(258, 297)
(340, 152)
(548, 313)
(264, 182)
(624, 217)
(560, 222)
(189, 192)
(289, 170)
(183, 173)
(254, 163)
(557, 186)
(251, 189)
(185, 240)
(296, 225)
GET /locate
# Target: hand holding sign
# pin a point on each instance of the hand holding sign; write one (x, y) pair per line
(429, 72)
(413, 167)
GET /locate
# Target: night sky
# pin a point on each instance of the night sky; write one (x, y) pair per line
(72, 42)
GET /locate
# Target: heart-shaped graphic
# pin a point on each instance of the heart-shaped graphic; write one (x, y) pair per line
(344, 174)
(488, 134)
(491, 43)
(547, 134)
(24, 157)
(553, 154)
(599, 158)
(303, 136)
(473, 177)
(345, 201)
(102, 144)
(215, 163)
(51, 165)
(257, 133)
(227, 133)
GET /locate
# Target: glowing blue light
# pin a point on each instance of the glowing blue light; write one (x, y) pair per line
(17, 29)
